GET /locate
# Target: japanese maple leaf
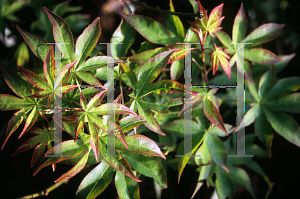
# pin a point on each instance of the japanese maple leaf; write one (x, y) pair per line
(47, 85)
(79, 153)
(42, 140)
(92, 114)
(260, 35)
(271, 98)
(29, 108)
(143, 86)
(219, 56)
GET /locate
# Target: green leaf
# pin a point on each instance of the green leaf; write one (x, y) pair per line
(87, 41)
(41, 140)
(263, 130)
(263, 34)
(124, 34)
(266, 82)
(88, 78)
(9, 102)
(76, 169)
(239, 25)
(174, 25)
(283, 87)
(95, 182)
(145, 55)
(261, 56)
(69, 149)
(128, 76)
(284, 125)
(202, 156)
(126, 187)
(117, 161)
(241, 177)
(62, 34)
(37, 44)
(15, 82)
(140, 144)
(217, 150)
(288, 103)
(147, 166)
(196, 141)
(225, 39)
(130, 122)
(224, 184)
(162, 87)
(176, 127)
(150, 70)
(150, 29)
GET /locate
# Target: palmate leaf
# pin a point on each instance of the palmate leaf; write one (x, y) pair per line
(42, 140)
(47, 85)
(29, 108)
(147, 74)
(126, 187)
(92, 115)
(271, 98)
(260, 35)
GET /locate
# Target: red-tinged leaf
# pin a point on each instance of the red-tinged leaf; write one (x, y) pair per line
(120, 134)
(62, 34)
(42, 139)
(128, 76)
(97, 62)
(76, 169)
(64, 74)
(96, 181)
(79, 125)
(147, 166)
(215, 14)
(48, 66)
(151, 123)
(15, 83)
(88, 78)
(32, 117)
(140, 144)
(150, 29)
(129, 122)
(9, 102)
(96, 100)
(283, 87)
(177, 69)
(267, 81)
(13, 124)
(119, 109)
(118, 162)
(263, 34)
(261, 56)
(83, 102)
(94, 140)
(87, 41)
(37, 44)
(191, 104)
(36, 80)
(69, 149)
(162, 87)
(239, 26)
(144, 56)
(212, 113)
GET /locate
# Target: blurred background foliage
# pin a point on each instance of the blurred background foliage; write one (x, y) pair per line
(28, 14)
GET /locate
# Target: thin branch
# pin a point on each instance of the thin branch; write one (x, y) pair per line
(46, 191)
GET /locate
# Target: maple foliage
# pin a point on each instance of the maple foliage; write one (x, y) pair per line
(147, 126)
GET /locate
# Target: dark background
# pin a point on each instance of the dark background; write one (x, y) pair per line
(283, 167)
